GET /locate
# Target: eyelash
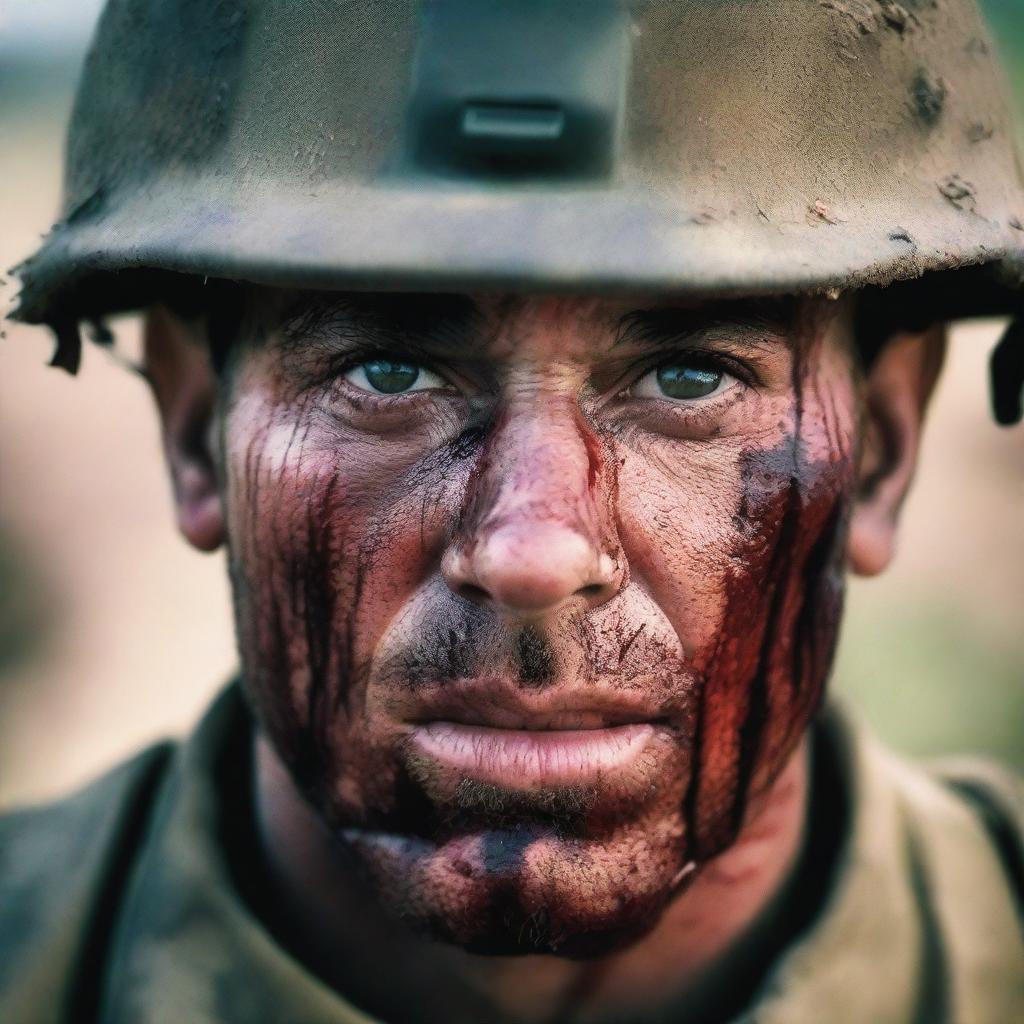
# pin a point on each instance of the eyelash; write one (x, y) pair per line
(704, 359)
(341, 365)
(715, 360)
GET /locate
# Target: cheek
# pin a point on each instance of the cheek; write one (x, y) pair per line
(765, 670)
(324, 551)
(740, 540)
(681, 520)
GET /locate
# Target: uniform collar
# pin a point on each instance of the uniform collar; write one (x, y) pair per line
(187, 947)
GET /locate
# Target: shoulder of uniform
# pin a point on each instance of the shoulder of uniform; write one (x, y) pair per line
(981, 780)
(974, 800)
(961, 829)
(62, 868)
(970, 808)
(995, 795)
(966, 823)
(981, 794)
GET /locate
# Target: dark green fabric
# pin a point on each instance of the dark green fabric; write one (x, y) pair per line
(121, 903)
(63, 873)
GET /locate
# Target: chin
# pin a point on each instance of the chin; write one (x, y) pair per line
(525, 890)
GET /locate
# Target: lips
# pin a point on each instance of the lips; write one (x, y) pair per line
(531, 758)
(500, 703)
(498, 733)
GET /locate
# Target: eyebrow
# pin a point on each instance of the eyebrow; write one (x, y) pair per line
(440, 321)
(666, 326)
(455, 323)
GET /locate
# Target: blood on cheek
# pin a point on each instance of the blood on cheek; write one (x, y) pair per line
(763, 674)
(310, 533)
(303, 527)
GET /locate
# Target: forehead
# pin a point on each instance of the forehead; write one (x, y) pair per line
(502, 326)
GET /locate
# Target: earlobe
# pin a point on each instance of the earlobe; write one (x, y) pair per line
(895, 397)
(199, 509)
(184, 386)
(872, 541)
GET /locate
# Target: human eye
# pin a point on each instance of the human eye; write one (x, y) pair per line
(684, 379)
(392, 376)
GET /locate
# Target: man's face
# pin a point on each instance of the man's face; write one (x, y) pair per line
(534, 595)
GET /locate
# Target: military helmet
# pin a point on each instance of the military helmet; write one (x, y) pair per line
(704, 147)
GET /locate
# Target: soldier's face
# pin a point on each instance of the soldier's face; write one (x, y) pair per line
(535, 595)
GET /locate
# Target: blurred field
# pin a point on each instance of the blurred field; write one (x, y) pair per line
(112, 631)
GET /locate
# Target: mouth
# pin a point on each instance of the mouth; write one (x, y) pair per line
(503, 736)
(519, 759)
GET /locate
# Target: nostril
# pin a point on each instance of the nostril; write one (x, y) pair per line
(473, 593)
(530, 569)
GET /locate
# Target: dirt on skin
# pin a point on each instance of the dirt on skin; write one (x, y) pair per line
(724, 618)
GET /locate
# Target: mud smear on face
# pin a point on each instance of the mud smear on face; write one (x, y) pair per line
(453, 644)
(535, 660)
(447, 657)
(286, 609)
(318, 556)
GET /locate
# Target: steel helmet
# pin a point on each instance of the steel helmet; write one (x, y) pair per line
(709, 147)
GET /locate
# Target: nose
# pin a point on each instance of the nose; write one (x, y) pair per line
(532, 571)
(537, 532)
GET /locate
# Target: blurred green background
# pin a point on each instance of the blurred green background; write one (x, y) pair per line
(113, 632)
(1006, 20)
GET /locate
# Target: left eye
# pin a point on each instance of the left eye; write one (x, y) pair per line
(681, 381)
(392, 377)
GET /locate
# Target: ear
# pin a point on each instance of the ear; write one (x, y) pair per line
(184, 385)
(896, 392)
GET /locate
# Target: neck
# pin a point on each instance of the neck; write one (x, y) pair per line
(325, 914)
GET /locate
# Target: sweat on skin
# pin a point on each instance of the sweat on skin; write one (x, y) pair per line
(534, 639)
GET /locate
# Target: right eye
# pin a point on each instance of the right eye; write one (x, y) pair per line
(682, 381)
(392, 377)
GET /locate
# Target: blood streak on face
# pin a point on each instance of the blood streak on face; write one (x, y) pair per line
(764, 676)
(532, 632)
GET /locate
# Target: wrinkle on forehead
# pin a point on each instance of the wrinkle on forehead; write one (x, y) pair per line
(506, 326)
(561, 328)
